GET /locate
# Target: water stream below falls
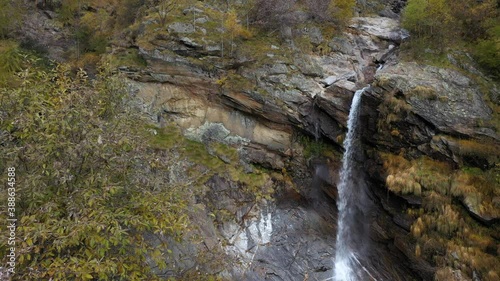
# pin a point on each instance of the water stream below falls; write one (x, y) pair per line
(352, 204)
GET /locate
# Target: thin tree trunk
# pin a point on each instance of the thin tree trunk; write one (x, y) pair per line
(222, 36)
(232, 43)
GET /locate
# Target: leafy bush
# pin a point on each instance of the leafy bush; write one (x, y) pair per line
(11, 60)
(86, 193)
(429, 19)
(487, 51)
(342, 9)
(319, 10)
(273, 15)
(442, 24)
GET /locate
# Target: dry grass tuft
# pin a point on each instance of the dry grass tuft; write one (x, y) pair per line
(445, 233)
(423, 92)
(483, 149)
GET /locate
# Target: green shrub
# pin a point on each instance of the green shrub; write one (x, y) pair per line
(487, 53)
(439, 25)
(85, 195)
(427, 18)
(11, 61)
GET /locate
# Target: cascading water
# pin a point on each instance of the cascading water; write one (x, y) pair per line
(349, 202)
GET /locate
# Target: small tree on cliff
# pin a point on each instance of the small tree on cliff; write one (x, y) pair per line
(163, 8)
(431, 19)
(234, 28)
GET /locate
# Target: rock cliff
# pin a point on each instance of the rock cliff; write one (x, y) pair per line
(429, 136)
(262, 105)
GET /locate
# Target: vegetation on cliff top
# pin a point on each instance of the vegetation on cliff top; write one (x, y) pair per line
(441, 25)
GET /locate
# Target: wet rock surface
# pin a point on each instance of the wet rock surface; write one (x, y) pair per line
(301, 244)
(288, 239)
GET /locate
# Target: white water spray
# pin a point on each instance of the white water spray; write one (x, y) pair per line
(344, 263)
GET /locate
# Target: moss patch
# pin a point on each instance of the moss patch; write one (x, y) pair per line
(317, 148)
(210, 159)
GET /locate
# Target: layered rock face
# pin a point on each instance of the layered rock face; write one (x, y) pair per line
(426, 113)
(307, 92)
(261, 107)
(433, 140)
(427, 105)
(414, 111)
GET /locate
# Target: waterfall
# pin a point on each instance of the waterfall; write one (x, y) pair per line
(350, 202)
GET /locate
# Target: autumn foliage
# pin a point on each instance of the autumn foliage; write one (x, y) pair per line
(449, 23)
